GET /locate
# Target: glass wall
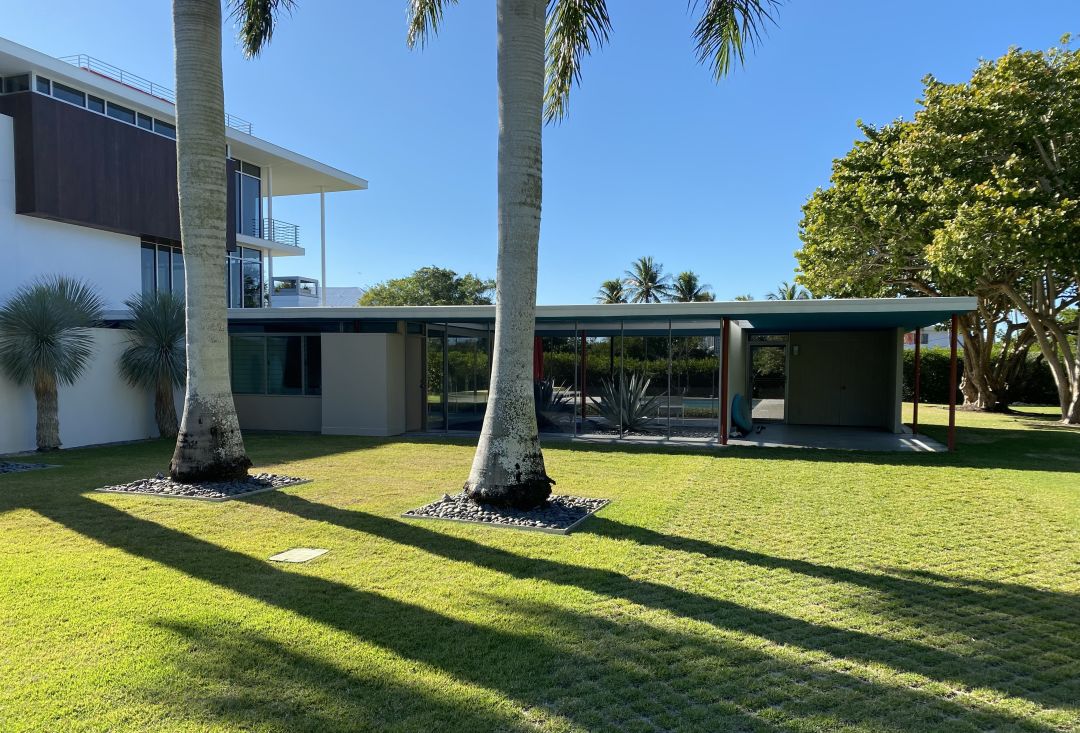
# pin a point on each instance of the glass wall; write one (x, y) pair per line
(434, 379)
(244, 285)
(248, 199)
(556, 390)
(468, 372)
(639, 381)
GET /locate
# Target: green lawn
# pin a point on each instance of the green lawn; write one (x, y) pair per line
(743, 590)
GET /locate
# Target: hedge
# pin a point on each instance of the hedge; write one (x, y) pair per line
(1035, 384)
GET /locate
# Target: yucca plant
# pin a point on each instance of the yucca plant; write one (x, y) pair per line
(45, 341)
(629, 408)
(155, 356)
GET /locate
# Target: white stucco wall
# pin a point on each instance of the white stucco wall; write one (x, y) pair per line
(31, 247)
(99, 408)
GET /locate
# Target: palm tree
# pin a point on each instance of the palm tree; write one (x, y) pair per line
(154, 357)
(45, 341)
(789, 291)
(209, 444)
(687, 288)
(538, 40)
(745, 297)
(611, 292)
(647, 282)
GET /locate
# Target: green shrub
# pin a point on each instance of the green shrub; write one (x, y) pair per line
(1034, 385)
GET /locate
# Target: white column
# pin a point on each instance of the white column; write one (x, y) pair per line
(269, 254)
(322, 237)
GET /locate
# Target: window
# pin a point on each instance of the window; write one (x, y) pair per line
(95, 104)
(276, 365)
(162, 268)
(121, 113)
(164, 128)
(247, 360)
(43, 85)
(67, 94)
(146, 122)
(19, 83)
(248, 199)
(924, 338)
(244, 278)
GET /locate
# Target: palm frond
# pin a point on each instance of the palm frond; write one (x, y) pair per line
(573, 28)
(257, 20)
(727, 28)
(155, 350)
(425, 17)
(45, 330)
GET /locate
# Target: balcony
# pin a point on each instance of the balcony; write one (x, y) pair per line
(99, 67)
(272, 230)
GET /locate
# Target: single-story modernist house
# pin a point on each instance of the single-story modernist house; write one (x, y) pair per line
(393, 370)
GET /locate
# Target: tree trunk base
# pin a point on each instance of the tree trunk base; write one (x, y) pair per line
(209, 446)
(524, 495)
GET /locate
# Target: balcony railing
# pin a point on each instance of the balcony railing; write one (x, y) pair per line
(274, 230)
(138, 83)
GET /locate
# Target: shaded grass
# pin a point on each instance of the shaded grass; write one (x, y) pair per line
(743, 590)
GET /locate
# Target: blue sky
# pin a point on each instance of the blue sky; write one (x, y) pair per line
(655, 158)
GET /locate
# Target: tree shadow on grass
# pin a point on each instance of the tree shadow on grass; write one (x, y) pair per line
(1010, 676)
(613, 676)
(1016, 631)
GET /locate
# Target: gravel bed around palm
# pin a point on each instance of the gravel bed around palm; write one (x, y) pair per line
(15, 467)
(163, 486)
(558, 515)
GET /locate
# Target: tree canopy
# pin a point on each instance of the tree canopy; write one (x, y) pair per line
(977, 194)
(431, 286)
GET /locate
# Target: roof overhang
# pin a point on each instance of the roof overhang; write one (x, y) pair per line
(848, 314)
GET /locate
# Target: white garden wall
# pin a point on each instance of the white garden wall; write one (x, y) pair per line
(31, 247)
(99, 408)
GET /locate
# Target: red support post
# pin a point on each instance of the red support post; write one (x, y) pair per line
(724, 382)
(952, 382)
(918, 379)
(538, 358)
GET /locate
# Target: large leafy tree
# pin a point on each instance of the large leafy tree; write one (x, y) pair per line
(154, 357)
(45, 341)
(646, 282)
(431, 286)
(977, 194)
(540, 48)
(688, 288)
(997, 159)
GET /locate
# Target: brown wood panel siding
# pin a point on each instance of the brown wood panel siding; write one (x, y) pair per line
(80, 167)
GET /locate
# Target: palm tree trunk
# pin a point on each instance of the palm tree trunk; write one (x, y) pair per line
(209, 445)
(48, 412)
(508, 468)
(165, 409)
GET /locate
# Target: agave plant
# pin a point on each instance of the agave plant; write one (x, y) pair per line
(155, 356)
(45, 341)
(629, 408)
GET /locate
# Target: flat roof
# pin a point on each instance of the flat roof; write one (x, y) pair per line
(765, 315)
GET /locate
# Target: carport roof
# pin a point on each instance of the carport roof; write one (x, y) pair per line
(765, 315)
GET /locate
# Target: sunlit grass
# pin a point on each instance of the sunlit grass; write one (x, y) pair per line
(748, 589)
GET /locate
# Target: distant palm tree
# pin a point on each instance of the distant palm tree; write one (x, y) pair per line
(45, 340)
(611, 292)
(647, 282)
(789, 291)
(744, 297)
(688, 288)
(155, 355)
